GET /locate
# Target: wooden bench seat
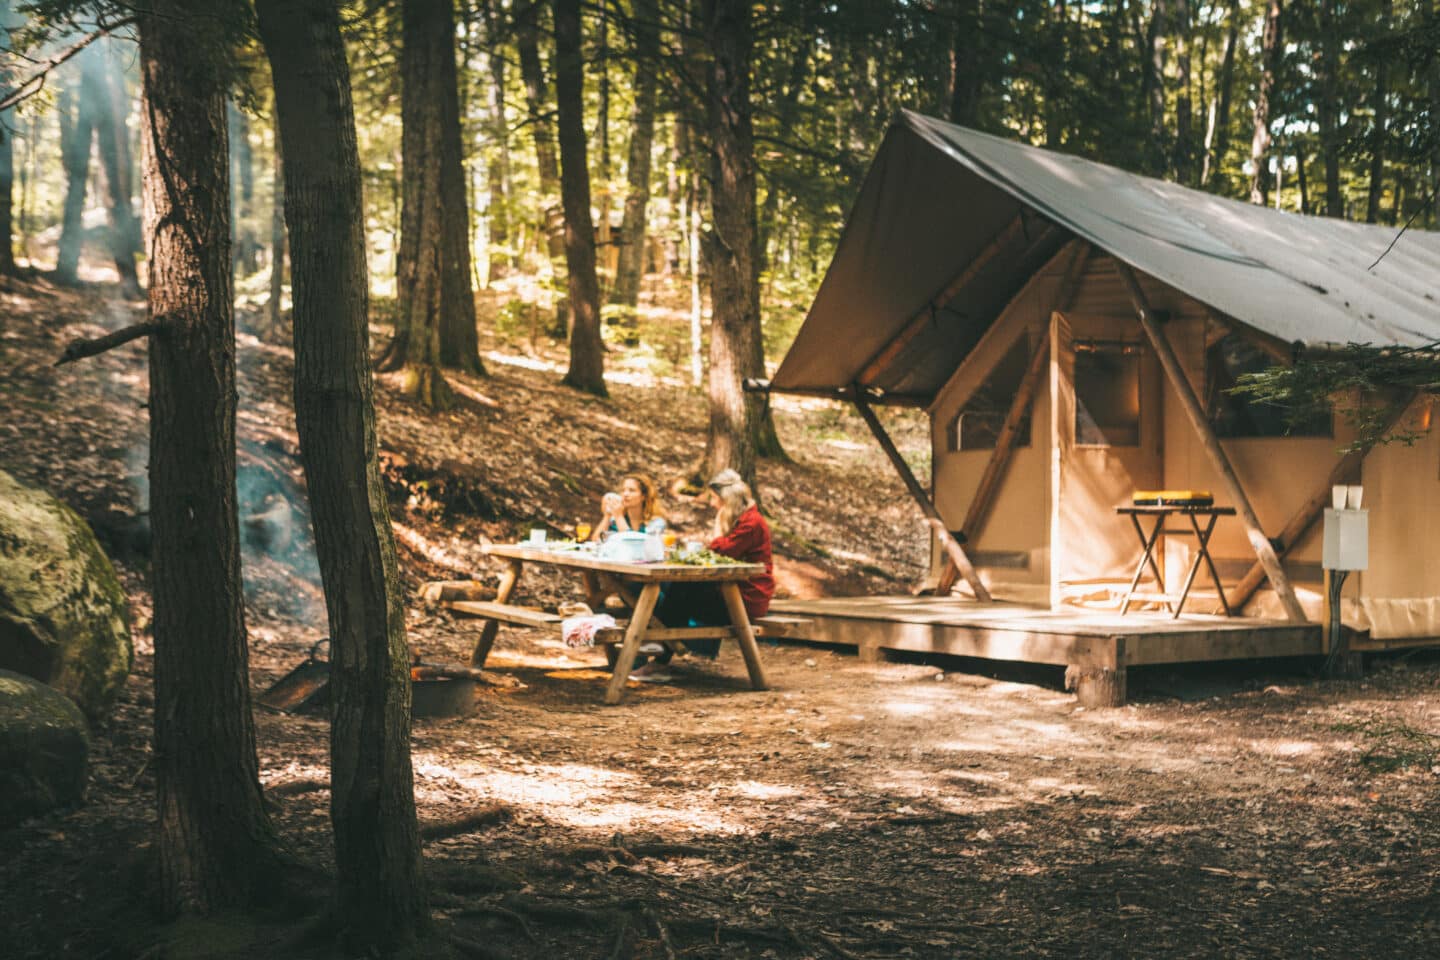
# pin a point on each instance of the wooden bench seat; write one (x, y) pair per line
(505, 613)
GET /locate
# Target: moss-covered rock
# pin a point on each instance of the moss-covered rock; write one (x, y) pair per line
(63, 616)
(43, 749)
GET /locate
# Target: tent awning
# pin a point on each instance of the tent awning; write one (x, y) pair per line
(950, 223)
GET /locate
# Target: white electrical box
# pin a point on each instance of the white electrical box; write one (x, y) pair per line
(1347, 540)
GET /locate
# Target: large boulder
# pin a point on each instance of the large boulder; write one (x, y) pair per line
(43, 749)
(63, 616)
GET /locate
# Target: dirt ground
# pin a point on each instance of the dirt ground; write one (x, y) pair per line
(938, 808)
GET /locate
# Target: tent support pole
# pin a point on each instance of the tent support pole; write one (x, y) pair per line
(887, 354)
(1264, 550)
(1310, 511)
(927, 506)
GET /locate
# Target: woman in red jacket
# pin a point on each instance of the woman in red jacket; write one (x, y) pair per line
(740, 532)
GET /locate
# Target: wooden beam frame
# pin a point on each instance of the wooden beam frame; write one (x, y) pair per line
(1264, 550)
(887, 354)
(927, 506)
(1309, 511)
(1078, 252)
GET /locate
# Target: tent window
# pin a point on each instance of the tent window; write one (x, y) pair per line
(1107, 394)
(1233, 416)
(978, 424)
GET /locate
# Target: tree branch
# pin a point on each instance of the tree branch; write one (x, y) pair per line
(36, 80)
(90, 346)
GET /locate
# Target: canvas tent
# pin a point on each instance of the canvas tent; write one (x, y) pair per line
(1117, 308)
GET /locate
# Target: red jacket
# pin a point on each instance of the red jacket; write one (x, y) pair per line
(749, 541)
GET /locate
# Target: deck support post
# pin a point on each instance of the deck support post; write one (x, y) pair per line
(1097, 686)
(1264, 550)
(927, 506)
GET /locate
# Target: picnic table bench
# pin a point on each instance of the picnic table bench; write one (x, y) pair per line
(623, 643)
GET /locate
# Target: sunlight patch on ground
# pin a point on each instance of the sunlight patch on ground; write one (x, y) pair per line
(765, 791)
(1284, 748)
(966, 746)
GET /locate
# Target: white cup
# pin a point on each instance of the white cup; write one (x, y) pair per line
(537, 535)
(1354, 496)
(1338, 493)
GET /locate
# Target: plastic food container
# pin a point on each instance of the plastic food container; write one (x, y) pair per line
(629, 546)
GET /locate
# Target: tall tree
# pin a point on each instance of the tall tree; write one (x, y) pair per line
(76, 132)
(277, 229)
(497, 170)
(1184, 153)
(587, 360)
(242, 157)
(216, 845)
(1328, 106)
(436, 304)
(631, 265)
(542, 132)
(966, 51)
(7, 150)
(459, 335)
(740, 428)
(1154, 66)
(372, 806)
(100, 91)
(1379, 132)
(1217, 145)
(1271, 49)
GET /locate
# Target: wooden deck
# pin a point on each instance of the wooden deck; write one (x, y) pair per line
(1095, 646)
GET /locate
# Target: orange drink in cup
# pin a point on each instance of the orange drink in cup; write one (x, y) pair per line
(669, 538)
(582, 531)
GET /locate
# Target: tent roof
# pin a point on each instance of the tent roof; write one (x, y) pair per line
(947, 210)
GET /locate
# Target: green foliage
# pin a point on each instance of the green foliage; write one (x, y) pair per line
(1368, 386)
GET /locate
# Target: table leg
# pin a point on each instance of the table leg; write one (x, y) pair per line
(594, 596)
(734, 603)
(1146, 559)
(1194, 565)
(639, 623)
(1210, 563)
(508, 579)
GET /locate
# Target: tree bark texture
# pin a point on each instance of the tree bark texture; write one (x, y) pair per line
(631, 264)
(587, 360)
(1155, 85)
(377, 844)
(739, 428)
(426, 247)
(215, 844)
(1184, 153)
(1271, 47)
(76, 131)
(1328, 108)
(459, 336)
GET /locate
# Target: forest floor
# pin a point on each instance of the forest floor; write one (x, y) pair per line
(922, 808)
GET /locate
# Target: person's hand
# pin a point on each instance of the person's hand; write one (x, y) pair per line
(611, 506)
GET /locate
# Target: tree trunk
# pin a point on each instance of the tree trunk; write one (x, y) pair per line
(7, 150)
(247, 248)
(427, 39)
(372, 806)
(1219, 146)
(1055, 73)
(216, 847)
(277, 231)
(965, 56)
(740, 428)
(1380, 133)
(1328, 108)
(1271, 48)
(786, 111)
(497, 165)
(76, 130)
(459, 336)
(631, 264)
(1155, 86)
(1301, 182)
(587, 362)
(532, 73)
(1181, 25)
(99, 89)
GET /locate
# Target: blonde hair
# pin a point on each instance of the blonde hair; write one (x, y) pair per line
(649, 508)
(735, 498)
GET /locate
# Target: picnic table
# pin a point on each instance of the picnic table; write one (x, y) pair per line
(597, 574)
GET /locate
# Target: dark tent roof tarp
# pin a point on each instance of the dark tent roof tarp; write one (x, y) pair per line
(937, 195)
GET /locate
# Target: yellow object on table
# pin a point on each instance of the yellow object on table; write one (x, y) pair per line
(1172, 498)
